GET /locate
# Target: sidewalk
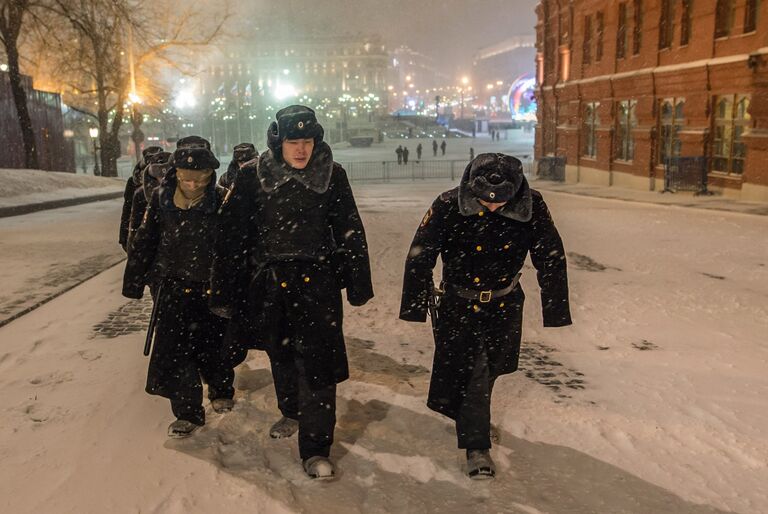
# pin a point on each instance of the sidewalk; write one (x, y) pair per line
(26, 191)
(681, 199)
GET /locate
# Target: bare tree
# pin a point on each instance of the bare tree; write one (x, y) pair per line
(12, 19)
(92, 56)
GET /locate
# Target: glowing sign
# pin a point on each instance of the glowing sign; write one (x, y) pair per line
(522, 102)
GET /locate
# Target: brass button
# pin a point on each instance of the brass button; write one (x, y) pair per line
(479, 248)
(187, 290)
(481, 213)
(284, 285)
(477, 280)
(208, 292)
(506, 247)
(306, 279)
(501, 304)
(475, 308)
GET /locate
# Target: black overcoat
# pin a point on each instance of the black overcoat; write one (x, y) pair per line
(138, 207)
(173, 248)
(482, 250)
(133, 182)
(291, 241)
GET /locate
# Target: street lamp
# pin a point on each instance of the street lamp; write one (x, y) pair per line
(94, 133)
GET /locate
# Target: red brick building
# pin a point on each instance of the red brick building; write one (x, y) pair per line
(623, 85)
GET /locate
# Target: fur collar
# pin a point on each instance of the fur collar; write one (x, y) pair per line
(273, 173)
(519, 208)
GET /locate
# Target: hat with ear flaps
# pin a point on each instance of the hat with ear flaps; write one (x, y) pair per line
(244, 152)
(195, 159)
(293, 122)
(496, 178)
(193, 142)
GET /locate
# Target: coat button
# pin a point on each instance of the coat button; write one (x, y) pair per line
(306, 279)
(187, 290)
(501, 304)
(481, 213)
(208, 292)
(284, 285)
(475, 308)
(506, 247)
(477, 280)
(479, 248)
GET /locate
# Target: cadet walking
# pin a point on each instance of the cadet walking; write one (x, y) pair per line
(172, 252)
(291, 238)
(483, 231)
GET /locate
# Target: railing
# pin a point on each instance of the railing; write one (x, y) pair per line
(551, 168)
(387, 171)
(686, 174)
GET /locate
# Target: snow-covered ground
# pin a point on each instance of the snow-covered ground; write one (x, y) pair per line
(653, 401)
(22, 187)
(47, 252)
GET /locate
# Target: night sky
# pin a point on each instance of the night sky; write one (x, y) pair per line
(450, 31)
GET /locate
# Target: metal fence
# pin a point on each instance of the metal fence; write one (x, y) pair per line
(387, 171)
(686, 174)
(551, 168)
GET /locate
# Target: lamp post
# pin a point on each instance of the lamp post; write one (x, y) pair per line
(94, 133)
(464, 82)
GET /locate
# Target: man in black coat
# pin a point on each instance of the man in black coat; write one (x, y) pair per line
(157, 166)
(243, 158)
(483, 230)
(172, 251)
(133, 182)
(291, 239)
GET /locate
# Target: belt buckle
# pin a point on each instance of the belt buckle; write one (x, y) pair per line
(485, 296)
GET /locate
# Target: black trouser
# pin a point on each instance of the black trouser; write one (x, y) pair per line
(188, 411)
(473, 422)
(315, 409)
(187, 351)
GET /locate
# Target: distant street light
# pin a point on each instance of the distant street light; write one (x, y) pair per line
(94, 133)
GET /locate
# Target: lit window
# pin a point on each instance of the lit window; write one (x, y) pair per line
(731, 120)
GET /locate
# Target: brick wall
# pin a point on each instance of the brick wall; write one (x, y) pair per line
(665, 52)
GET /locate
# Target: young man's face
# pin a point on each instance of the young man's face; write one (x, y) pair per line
(297, 152)
(193, 182)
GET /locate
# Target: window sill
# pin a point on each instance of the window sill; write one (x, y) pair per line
(725, 175)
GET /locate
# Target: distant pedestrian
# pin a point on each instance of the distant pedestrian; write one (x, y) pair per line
(498, 136)
(405, 155)
(410, 132)
(419, 148)
(471, 153)
(434, 148)
(493, 135)
(399, 152)
(443, 145)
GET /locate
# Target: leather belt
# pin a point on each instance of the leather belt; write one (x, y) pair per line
(482, 296)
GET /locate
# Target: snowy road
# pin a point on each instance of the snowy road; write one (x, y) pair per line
(45, 253)
(654, 401)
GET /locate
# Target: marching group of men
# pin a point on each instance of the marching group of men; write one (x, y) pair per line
(258, 260)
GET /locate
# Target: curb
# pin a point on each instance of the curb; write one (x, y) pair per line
(18, 210)
(756, 210)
